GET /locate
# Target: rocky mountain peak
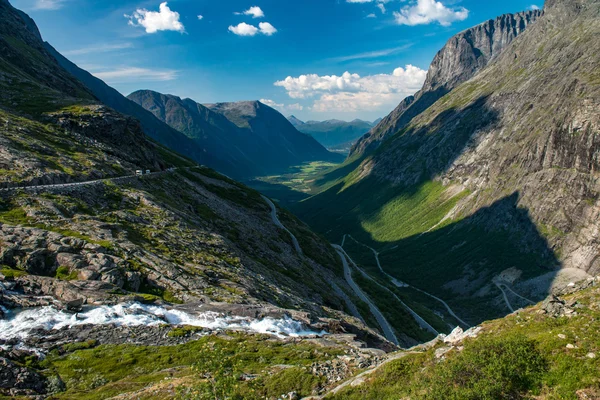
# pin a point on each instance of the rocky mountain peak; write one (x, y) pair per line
(463, 56)
(471, 50)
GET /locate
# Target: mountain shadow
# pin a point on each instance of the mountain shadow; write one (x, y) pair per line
(424, 154)
(455, 259)
(460, 261)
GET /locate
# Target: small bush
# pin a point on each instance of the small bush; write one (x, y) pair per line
(489, 368)
(10, 273)
(184, 331)
(64, 274)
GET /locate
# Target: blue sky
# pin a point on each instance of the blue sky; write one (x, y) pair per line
(342, 59)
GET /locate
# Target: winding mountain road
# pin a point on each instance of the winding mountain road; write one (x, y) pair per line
(277, 222)
(351, 306)
(503, 288)
(83, 183)
(403, 284)
(388, 332)
(420, 321)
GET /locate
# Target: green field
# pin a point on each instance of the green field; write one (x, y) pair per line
(295, 184)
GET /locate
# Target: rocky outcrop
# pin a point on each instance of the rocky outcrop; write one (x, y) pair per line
(16, 380)
(463, 56)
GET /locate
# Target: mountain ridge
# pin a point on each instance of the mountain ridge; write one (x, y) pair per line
(461, 58)
(251, 137)
(496, 177)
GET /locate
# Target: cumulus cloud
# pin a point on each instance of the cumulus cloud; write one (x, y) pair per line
(200, 17)
(534, 7)
(154, 21)
(266, 28)
(254, 11)
(282, 107)
(429, 11)
(244, 29)
(134, 74)
(352, 92)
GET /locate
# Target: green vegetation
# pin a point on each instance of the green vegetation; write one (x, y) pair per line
(65, 274)
(405, 224)
(11, 273)
(15, 216)
(71, 347)
(151, 293)
(294, 185)
(210, 366)
(522, 356)
(183, 331)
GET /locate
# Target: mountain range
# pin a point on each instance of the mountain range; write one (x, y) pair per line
(206, 136)
(128, 269)
(245, 139)
(336, 135)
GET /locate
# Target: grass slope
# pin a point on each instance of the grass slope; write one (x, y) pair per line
(522, 356)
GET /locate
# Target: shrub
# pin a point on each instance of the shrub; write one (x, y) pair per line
(64, 274)
(489, 368)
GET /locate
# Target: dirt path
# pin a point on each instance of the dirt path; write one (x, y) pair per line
(360, 378)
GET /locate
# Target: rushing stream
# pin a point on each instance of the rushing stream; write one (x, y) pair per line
(19, 324)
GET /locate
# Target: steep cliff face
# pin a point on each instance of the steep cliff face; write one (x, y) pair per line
(528, 123)
(499, 174)
(459, 60)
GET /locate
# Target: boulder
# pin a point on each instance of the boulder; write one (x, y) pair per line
(73, 261)
(20, 381)
(39, 262)
(87, 275)
(134, 281)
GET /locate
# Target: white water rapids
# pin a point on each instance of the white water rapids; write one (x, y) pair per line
(19, 324)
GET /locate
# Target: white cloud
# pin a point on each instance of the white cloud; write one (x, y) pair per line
(371, 16)
(200, 17)
(48, 4)
(134, 74)
(534, 7)
(266, 28)
(255, 11)
(381, 8)
(102, 48)
(154, 21)
(429, 11)
(282, 107)
(372, 54)
(351, 92)
(244, 29)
